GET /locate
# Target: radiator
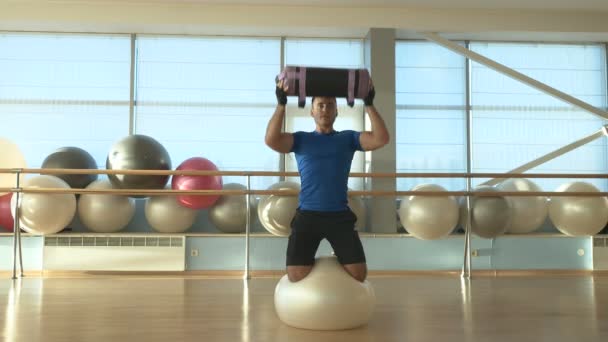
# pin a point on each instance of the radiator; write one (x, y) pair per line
(114, 253)
(600, 253)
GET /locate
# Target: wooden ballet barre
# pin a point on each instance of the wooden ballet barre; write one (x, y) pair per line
(159, 192)
(296, 174)
(147, 172)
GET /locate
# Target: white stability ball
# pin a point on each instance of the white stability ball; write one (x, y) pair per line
(490, 215)
(277, 211)
(11, 157)
(429, 217)
(166, 215)
(229, 213)
(105, 213)
(578, 216)
(527, 213)
(328, 298)
(357, 206)
(45, 213)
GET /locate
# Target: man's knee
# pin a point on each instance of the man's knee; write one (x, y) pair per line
(297, 273)
(357, 271)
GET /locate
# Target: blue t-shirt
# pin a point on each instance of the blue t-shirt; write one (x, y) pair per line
(324, 164)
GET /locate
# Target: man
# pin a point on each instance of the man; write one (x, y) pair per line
(324, 158)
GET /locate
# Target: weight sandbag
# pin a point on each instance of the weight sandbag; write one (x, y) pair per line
(311, 81)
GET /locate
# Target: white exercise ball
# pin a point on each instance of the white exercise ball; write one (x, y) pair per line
(105, 213)
(229, 213)
(578, 216)
(490, 215)
(527, 213)
(45, 213)
(165, 214)
(277, 211)
(328, 298)
(429, 217)
(11, 157)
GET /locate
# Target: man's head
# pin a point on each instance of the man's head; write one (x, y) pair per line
(324, 111)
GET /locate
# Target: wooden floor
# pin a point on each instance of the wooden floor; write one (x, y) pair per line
(409, 308)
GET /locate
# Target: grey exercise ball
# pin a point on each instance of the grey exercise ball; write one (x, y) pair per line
(229, 213)
(490, 216)
(166, 215)
(72, 158)
(105, 213)
(138, 152)
(528, 213)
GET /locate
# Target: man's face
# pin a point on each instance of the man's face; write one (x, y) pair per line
(324, 110)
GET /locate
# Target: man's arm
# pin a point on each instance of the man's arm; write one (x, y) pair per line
(275, 138)
(378, 136)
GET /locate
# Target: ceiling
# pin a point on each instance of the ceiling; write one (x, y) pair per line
(564, 5)
(508, 20)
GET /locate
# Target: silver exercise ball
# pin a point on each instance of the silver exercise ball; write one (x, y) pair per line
(72, 158)
(166, 215)
(138, 152)
(45, 213)
(429, 217)
(527, 213)
(578, 216)
(229, 213)
(277, 211)
(490, 216)
(105, 213)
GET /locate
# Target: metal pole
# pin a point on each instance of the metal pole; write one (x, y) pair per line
(246, 276)
(515, 74)
(20, 254)
(282, 156)
(466, 266)
(552, 155)
(16, 230)
(132, 75)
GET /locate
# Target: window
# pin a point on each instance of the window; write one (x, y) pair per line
(514, 123)
(430, 123)
(211, 98)
(64, 90)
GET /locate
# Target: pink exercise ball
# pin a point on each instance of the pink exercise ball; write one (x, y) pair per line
(6, 219)
(197, 183)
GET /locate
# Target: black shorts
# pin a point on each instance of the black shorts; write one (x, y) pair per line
(308, 228)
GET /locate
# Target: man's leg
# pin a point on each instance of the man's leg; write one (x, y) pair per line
(345, 241)
(301, 250)
(297, 273)
(357, 271)
(349, 250)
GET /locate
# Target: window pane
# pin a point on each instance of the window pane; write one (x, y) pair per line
(430, 83)
(64, 90)
(211, 98)
(514, 123)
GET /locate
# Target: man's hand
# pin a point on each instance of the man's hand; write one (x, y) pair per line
(281, 94)
(369, 99)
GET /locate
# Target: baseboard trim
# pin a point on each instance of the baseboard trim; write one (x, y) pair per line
(233, 274)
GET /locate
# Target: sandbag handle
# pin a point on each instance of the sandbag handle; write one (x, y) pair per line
(302, 87)
(350, 98)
